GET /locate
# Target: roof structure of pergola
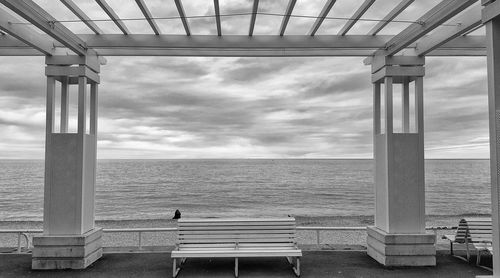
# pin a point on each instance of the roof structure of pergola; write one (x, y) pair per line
(445, 29)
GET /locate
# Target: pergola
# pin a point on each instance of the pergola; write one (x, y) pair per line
(71, 240)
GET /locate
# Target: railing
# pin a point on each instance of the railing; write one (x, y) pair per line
(25, 232)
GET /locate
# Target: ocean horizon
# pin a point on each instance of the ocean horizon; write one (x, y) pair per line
(140, 189)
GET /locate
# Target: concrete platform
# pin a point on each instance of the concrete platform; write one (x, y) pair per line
(313, 264)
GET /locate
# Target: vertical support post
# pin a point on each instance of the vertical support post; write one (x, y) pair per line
(389, 118)
(406, 105)
(64, 104)
(376, 108)
(70, 238)
(82, 104)
(493, 52)
(49, 129)
(398, 237)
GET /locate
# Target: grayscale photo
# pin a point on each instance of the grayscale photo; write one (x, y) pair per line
(250, 138)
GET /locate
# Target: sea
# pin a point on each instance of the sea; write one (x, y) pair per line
(154, 189)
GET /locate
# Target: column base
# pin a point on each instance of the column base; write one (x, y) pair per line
(67, 251)
(401, 249)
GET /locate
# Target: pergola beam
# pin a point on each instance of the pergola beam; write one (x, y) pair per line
(182, 14)
(33, 13)
(82, 16)
(147, 14)
(24, 33)
(286, 17)
(324, 13)
(465, 22)
(390, 16)
(243, 45)
(253, 17)
(217, 17)
(111, 13)
(357, 15)
(443, 11)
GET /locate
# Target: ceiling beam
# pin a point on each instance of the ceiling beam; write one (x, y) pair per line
(25, 33)
(357, 15)
(324, 13)
(255, 8)
(439, 14)
(147, 14)
(33, 13)
(243, 45)
(182, 14)
(217, 17)
(82, 16)
(111, 13)
(286, 17)
(390, 16)
(465, 22)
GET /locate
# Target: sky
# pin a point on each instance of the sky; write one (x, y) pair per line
(193, 107)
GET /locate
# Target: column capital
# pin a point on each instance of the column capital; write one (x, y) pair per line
(399, 67)
(72, 67)
(491, 9)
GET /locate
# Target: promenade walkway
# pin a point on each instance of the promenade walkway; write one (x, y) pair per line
(315, 264)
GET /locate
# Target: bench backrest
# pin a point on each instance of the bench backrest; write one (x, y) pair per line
(474, 229)
(233, 232)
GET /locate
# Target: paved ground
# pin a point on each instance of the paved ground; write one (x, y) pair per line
(314, 264)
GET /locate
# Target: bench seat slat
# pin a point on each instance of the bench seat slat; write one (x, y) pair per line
(248, 227)
(247, 231)
(236, 253)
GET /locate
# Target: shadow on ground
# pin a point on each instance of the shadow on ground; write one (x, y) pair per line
(314, 264)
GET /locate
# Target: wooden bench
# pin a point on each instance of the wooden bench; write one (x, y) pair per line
(236, 238)
(475, 231)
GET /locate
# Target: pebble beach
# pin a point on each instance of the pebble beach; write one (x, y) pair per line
(123, 239)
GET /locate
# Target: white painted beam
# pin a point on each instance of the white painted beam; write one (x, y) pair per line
(255, 8)
(217, 17)
(147, 14)
(357, 15)
(243, 45)
(463, 24)
(111, 13)
(33, 13)
(286, 17)
(182, 14)
(439, 14)
(390, 16)
(324, 13)
(82, 16)
(24, 33)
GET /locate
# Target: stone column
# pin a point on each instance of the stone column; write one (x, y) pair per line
(70, 239)
(398, 237)
(491, 18)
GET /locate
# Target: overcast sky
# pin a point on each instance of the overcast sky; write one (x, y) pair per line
(188, 107)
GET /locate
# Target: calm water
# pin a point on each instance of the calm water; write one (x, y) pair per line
(152, 189)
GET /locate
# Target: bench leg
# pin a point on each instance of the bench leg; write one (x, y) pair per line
(468, 251)
(236, 267)
(175, 268)
(451, 248)
(296, 268)
(478, 258)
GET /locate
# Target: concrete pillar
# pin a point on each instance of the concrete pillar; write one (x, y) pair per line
(70, 239)
(399, 237)
(491, 18)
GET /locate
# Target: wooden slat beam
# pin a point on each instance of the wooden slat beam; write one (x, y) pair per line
(245, 46)
(217, 17)
(357, 15)
(324, 13)
(465, 22)
(390, 16)
(255, 8)
(111, 13)
(286, 17)
(82, 16)
(24, 33)
(147, 14)
(182, 14)
(439, 14)
(33, 13)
